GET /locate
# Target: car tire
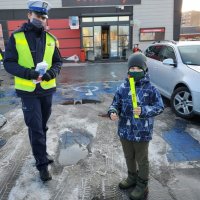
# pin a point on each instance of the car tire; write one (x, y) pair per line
(181, 103)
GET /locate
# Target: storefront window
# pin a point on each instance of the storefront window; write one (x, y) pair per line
(122, 52)
(97, 41)
(124, 30)
(123, 41)
(105, 19)
(87, 19)
(87, 31)
(113, 41)
(87, 42)
(110, 40)
(87, 37)
(123, 18)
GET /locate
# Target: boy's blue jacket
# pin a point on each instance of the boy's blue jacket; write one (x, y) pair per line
(148, 99)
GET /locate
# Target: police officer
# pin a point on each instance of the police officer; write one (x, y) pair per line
(27, 47)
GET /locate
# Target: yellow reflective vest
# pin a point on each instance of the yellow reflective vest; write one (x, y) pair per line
(25, 60)
(1, 57)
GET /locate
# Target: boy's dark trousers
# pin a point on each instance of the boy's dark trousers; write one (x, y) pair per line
(136, 155)
(37, 111)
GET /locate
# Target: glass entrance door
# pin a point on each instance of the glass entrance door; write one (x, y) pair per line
(97, 42)
(106, 37)
(113, 41)
(105, 41)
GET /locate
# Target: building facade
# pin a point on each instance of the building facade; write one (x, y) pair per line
(104, 29)
(191, 18)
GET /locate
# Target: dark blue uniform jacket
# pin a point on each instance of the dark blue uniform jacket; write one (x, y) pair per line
(148, 99)
(36, 41)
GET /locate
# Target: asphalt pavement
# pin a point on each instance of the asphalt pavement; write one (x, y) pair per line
(89, 161)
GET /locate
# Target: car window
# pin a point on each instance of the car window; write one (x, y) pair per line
(190, 54)
(167, 52)
(153, 52)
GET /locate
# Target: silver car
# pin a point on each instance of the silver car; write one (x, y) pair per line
(174, 68)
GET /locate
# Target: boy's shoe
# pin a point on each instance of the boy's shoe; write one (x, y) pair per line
(45, 175)
(140, 191)
(130, 181)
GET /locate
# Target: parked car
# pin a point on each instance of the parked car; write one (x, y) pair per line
(174, 68)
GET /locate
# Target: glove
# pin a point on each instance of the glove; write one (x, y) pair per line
(50, 74)
(31, 74)
(46, 77)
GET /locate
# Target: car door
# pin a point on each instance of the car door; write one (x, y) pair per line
(152, 54)
(167, 74)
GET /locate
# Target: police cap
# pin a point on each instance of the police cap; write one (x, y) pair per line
(39, 7)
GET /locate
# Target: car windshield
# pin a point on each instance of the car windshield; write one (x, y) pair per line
(190, 54)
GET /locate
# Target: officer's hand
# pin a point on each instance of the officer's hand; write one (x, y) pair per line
(33, 74)
(46, 76)
(39, 79)
(50, 74)
(114, 116)
(137, 111)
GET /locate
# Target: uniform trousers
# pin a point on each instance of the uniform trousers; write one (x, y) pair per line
(37, 111)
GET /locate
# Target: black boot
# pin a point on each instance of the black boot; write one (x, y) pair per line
(45, 175)
(130, 181)
(141, 189)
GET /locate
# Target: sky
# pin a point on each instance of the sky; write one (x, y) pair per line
(191, 5)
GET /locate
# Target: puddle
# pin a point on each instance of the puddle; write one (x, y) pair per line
(74, 146)
(72, 155)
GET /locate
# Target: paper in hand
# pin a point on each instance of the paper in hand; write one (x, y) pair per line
(41, 68)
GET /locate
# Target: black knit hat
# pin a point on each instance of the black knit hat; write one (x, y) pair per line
(137, 59)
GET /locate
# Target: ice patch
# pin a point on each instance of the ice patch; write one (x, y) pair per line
(29, 185)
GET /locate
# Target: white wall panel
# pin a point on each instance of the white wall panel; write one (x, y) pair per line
(152, 14)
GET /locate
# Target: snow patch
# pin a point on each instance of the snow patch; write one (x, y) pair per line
(29, 186)
(157, 153)
(194, 132)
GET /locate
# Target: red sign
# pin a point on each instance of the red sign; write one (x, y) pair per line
(152, 30)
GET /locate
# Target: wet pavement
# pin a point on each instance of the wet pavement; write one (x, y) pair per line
(74, 146)
(88, 156)
(92, 72)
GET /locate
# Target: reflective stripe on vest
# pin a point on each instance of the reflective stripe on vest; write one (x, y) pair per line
(25, 59)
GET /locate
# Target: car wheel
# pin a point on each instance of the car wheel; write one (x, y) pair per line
(181, 102)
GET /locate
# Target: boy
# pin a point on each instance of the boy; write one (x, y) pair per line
(135, 133)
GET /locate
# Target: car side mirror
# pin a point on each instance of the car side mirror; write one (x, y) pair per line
(169, 61)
